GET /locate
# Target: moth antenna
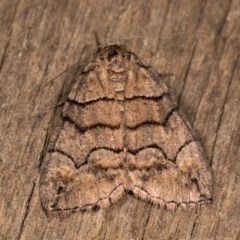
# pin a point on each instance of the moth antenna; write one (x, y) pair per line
(67, 69)
(167, 37)
(122, 42)
(81, 59)
(60, 104)
(188, 33)
(98, 44)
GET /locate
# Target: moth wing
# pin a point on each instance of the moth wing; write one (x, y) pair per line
(83, 168)
(63, 187)
(166, 164)
(161, 181)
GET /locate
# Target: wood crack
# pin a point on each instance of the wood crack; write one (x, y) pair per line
(223, 108)
(26, 208)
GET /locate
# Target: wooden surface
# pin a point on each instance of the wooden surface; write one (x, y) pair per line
(40, 39)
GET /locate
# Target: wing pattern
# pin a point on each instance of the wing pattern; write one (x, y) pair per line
(122, 132)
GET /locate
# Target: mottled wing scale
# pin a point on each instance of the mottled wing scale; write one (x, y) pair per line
(122, 133)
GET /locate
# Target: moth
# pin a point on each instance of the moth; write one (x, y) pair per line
(122, 133)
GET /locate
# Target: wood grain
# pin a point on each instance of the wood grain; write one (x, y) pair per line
(40, 39)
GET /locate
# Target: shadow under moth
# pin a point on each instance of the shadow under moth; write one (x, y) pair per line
(122, 132)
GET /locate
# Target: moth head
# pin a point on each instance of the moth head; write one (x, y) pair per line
(115, 56)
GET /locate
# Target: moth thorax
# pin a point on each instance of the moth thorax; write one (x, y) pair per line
(117, 75)
(116, 65)
(118, 81)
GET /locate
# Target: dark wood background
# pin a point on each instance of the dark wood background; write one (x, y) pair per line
(195, 42)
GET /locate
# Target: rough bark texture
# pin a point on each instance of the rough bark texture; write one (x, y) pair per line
(40, 39)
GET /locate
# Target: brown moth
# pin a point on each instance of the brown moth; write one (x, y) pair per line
(122, 132)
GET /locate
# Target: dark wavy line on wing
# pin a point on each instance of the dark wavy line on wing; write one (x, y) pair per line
(154, 123)
(106, 99)
(84, 129)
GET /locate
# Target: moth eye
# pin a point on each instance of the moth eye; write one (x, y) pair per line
(95, 208)
(111, 54)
